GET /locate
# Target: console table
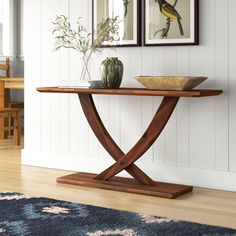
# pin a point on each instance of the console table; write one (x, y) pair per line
(140, 183)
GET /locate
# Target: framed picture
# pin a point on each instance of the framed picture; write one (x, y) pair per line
(171, 22)
(129, 15)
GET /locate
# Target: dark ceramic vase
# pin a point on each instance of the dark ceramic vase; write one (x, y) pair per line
(111, 72)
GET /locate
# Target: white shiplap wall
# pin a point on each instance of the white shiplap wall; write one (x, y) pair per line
(198, 145)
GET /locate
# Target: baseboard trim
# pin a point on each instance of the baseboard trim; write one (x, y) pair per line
(181, 175)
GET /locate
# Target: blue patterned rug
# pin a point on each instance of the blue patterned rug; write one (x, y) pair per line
(23, 215)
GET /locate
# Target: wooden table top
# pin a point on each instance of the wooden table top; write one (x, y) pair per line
(133, 92)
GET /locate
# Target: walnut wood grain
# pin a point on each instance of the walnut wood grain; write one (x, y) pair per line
(133, 92)
(155, 128)
(106, 140)
(165, 190)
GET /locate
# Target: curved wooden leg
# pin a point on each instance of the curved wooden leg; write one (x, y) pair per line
(106, 179)
(151, 134)
(106, 140)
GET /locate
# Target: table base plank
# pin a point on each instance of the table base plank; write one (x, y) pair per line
(166, 190)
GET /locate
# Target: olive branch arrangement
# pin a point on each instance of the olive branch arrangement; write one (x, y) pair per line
(80, 40)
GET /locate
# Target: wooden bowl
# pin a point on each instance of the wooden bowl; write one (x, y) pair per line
(170, 82)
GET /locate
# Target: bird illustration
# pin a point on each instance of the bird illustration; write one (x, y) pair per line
(169, 11)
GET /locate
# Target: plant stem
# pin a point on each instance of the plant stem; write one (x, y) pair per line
(85, 65)
(166, 30)
(176, 1)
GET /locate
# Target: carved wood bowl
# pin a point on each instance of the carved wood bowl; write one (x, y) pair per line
(170, 82)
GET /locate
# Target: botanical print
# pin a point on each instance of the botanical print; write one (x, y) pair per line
(169, 19)
(121, 8)
(127, 13)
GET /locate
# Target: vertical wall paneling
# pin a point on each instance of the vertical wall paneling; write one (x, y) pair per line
(147, 102)
(47, 15)
(183, 111)
(158, 68)
(202, 110)
(93, 146)
(93, 143)
(94, 68)
(232, 86)
(28, 72)
(115, 119)
(171, 127)
(95, 73)
(63, 99)
(104, 106)
(78, 123)
(33, 80)
(130, 105)
(55, 76)
(33, 75)
(115, 106)
(104, 112)
(222, 81)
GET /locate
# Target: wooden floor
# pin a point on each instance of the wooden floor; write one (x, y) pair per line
(203, 205)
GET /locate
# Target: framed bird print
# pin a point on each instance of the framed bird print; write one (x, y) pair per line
(171, 22)
(129, 17)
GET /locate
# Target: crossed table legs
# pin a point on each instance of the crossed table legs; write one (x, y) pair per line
(140, 183)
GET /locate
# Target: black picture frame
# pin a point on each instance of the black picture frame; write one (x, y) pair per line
(137, 21)
(193, 38)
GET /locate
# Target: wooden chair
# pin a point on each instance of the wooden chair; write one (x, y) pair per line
(15, 114)
(6, 67)
(9, 103)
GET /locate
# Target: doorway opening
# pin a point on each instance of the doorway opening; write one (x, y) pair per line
(11, 74)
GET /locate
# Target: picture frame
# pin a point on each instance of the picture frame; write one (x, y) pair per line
(171, 22)
(129, 12)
